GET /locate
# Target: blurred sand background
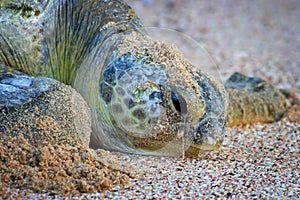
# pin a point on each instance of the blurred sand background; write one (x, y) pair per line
(258, 38)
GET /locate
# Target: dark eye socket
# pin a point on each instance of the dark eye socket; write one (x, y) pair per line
(179, 103)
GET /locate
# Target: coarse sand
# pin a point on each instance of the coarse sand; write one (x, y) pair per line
(55, 169)
(58, 115)
(44, 148)
(260, 38)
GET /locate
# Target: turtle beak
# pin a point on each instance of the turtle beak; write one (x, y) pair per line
(208, 136)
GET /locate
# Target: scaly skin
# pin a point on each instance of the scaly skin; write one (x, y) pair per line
(253, 100)
(144, 96)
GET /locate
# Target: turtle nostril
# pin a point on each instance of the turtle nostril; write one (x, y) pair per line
(179, 103)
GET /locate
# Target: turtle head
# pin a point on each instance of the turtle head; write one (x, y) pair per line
(146, 98)
(157, 107)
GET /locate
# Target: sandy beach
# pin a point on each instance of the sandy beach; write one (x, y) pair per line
(257, 38)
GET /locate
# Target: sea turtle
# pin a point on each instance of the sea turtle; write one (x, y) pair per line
(145, 97)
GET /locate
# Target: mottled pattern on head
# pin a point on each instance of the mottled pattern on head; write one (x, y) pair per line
(134, 104)
(203, 97)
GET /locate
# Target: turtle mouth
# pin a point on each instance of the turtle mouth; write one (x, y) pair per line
(183, 149)
(193, 151)
(206, 147)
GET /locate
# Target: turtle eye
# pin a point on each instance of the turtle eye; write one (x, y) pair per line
(179, 103)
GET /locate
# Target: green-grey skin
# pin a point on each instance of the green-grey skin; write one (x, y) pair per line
(140, 102)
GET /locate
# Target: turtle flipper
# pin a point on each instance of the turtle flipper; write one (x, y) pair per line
(253, 100)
